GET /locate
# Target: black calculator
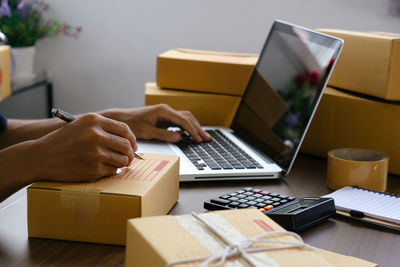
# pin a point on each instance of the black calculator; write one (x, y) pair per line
(293, 214)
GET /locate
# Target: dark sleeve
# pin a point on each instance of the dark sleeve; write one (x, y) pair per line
(3, 123)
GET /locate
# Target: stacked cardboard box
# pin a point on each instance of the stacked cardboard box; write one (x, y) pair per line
(209, 109)
(209, 84)
(369, 63)
(5, 88)
(362, 111)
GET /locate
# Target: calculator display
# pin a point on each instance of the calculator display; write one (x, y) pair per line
(296, 207)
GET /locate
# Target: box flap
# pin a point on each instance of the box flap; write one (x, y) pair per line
(379, 35)
(134, 180)
(390, 34)
(213, 56)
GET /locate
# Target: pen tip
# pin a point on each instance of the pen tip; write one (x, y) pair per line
(138, 156)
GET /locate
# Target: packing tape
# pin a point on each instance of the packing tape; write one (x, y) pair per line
(357, 167)
(83, 206)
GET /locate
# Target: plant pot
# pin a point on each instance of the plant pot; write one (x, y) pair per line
(22, 63)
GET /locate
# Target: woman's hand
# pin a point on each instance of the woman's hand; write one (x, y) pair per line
(150, 122)
(88, 148)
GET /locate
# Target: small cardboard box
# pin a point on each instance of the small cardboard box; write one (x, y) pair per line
(156, 241)
(368, 64)
(5, 87)
(344, 120)
(209, 109)
(205, 71)
(98, 211)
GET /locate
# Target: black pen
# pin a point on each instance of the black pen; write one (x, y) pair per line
(65, 116)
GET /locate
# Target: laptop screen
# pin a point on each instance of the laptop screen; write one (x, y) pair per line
(284, 90)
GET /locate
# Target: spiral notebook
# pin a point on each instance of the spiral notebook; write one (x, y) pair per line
(367, 205)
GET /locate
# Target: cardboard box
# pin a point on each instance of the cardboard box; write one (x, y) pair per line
(98, 211)
(368, 64)
(5, 87)
(156, 241)
(344, 120)
(205, 71)
(209, 109)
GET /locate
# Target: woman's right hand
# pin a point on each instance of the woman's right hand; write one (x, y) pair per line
(88, 148)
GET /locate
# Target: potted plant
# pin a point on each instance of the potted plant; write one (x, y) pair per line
(23, 22)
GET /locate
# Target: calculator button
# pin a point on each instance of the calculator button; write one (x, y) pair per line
(233, 198)
(248, 188)
(291, 198)
(242, 201)
(243, 206)
(257, 195)
(274, 194)
(260, 205)
(260, 200)
(225, 196)
(240, 191)
(275, 199)
(269, 207)
(251, 203)
(265, 193)
(248, 193)
(276, 204)
(219, 201)
(250, 198)
(283, 201)
(256, 190)
(233, 204)
(241, 196)
(268, 202)
(266, 197)
(283, 196)
(233, 194)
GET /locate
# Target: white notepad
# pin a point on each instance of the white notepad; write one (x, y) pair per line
(373, 204)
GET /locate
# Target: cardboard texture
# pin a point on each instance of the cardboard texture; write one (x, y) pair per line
(344, 120)
(98, 211)
(156, 241)
(209, 109)
(5, 83)
(368, 64)
(205, 71)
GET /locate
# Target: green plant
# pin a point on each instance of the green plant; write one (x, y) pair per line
(23, 23)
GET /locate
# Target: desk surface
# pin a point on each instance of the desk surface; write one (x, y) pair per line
(307, 178)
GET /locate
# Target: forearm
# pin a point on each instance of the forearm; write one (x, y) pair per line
(23, 130)
(116, 113)
(16, 168)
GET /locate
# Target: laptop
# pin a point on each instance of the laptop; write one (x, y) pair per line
(275, 111)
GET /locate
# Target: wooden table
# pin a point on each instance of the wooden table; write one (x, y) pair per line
(307, 178)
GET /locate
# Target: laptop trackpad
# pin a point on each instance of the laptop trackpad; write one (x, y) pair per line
(157, 147)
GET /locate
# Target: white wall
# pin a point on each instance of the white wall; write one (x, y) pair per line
(117, 49)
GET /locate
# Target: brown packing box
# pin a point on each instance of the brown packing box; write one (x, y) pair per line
(209, 109)
(5, 87)
(368, 64)
(344, 120)
(157, 241)
(98, 211)
(205, 71)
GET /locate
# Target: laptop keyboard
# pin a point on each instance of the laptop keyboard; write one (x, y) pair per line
(217, 154)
